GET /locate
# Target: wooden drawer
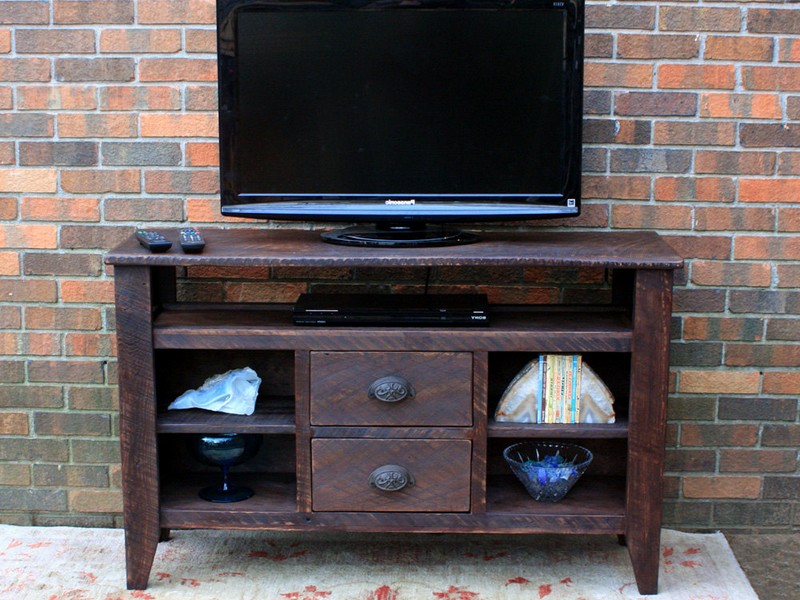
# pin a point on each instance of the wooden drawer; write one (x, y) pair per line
(342, 477)
(362, 388)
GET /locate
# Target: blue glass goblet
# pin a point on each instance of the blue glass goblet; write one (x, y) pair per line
(225, 450)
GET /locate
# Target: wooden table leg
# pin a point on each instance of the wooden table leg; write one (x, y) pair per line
(647, 423)
(137, 421)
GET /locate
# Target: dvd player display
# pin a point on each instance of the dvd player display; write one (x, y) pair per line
(394, 310)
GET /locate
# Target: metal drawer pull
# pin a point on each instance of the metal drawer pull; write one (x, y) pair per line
(391, 388)
(390, 478)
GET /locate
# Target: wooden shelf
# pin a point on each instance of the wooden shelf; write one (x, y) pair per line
(619, 429)
(595, 505)
(266, 327)
(274, 417)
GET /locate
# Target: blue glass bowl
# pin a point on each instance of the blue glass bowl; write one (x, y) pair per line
(548, 470)
(225, 450)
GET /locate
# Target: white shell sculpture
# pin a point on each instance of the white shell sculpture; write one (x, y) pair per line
(518, 404)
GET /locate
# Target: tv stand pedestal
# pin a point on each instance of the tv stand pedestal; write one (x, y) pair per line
(325, 436)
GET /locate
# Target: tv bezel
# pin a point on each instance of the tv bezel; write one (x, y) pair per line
(398, 209)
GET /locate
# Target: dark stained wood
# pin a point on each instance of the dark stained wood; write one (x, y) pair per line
(440, 470)
(480, 392)
(276, 417)
(440, 392)
(647, 423)
(618, 429)
(512, 328)
(315, 462)
(303, 441)
(137, 396)
(270, 247)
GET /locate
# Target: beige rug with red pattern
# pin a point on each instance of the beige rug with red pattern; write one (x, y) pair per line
(59, 563)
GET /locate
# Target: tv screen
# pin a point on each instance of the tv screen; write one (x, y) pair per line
(399, 112)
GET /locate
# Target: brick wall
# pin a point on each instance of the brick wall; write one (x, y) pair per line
(107, 121)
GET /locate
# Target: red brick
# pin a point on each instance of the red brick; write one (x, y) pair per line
(172, 181)
(718, 382)
(734, 162)
(41, 344)
(14, 423)
(179, 125)
(788, 276)
(60, 209)
(758, 247)
(177, 69)
(738, 48)
(134, 41)
(55, 41)
(206, 210)
(177, 11)
(718, 105)
(769, 135)
(782, 79)
(650, 46)
(769, 190)
(201, 97)
(93, 12)
(57, 97)
(722, 218)
(598, 45)
(692, 133)
(201, 41)
(6, 100)
(757, 461)
(202, 154)
(773, 20)
(721, 487)
(46, 317)
(782, 382)
(9, 263)
(597, 74)
(140, 98)
(698, 19)
(24, 13)
(621, 187)
(701, 189)
(143, 209)
(773, 355)
(693, 77)
(28, 236)
(789, 50)
(789, 163)
(24, 69)
(730, 274)
(5, 41)
(726, 328)
(638, 216)
(95, 501)
(95, 181)
(31, 290)
(28, 180)
(65, 371)
(655, 104)
(95, 69)
(97, 125)
(789, 219)
(88, 344)
(87, 291)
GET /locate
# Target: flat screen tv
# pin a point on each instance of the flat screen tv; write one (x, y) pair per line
(404, 114)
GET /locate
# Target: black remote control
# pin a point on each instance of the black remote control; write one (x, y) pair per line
(153, 241)
(191, 240)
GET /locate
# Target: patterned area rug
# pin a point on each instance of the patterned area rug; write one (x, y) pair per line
(59, 563)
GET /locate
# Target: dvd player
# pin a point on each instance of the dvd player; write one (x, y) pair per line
(394, 310)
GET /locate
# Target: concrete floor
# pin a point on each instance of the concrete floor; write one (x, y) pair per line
(771, 562)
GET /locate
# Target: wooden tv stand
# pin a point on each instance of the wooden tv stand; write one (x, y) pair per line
(323, 436)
